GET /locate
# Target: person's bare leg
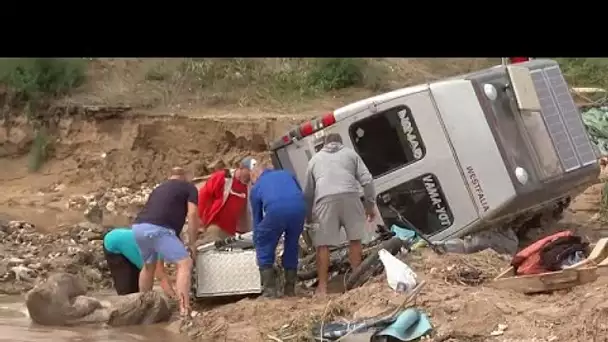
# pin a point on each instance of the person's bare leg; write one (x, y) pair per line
(182, 284)
(355, 252)
(165, 283)
(146, 277)
(322, 269)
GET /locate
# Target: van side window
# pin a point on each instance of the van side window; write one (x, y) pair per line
(388, 140)
(421, 201)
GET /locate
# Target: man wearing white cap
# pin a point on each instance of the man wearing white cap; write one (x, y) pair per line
(223, 202)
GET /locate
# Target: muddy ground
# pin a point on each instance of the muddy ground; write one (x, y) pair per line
(459, 312)
(458, 296)
(104, 160)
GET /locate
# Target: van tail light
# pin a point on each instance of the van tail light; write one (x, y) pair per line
(306, 129)
(286, 138)
(310, 127)
(515, 60)
(328, 119)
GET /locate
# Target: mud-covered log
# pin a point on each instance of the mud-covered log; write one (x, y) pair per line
(59, 300)
(62, 300)
(139, 308)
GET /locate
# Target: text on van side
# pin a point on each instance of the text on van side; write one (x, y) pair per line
(440, 209)
(478, 189)
(408, 129)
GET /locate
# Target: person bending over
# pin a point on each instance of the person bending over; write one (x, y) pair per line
(278, 207)
(157, 229)
(125, 262)
(222, 202)
(333, 179)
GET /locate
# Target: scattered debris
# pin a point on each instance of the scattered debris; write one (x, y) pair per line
(462, 269)
(500, 329)
(27, 255)
(121, 200)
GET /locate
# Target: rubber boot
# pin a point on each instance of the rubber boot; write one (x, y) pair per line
(291, 277)
(269, 282)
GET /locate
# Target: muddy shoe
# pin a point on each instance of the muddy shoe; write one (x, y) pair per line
(291, 277)
(269, 282)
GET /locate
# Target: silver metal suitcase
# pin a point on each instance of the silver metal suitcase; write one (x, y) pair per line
(226, 273)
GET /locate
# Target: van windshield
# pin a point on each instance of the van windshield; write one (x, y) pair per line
(387, 140)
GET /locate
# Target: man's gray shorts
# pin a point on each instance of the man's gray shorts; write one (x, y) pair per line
(334, 212)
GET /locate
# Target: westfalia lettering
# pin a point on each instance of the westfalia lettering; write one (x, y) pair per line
(478, 189)
(408, 129)
(440, 209)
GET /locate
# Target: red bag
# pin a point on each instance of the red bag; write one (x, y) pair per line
(528, 261)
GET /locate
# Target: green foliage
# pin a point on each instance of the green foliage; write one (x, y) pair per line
(34, 78)
(31, 81)
(585, 72)
(337, 73)
(280, 78)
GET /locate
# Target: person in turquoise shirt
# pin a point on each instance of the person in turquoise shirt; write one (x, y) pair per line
(125, 262)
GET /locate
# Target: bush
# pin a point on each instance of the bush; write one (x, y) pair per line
(32, 78)
(337, 73)
(585, 72)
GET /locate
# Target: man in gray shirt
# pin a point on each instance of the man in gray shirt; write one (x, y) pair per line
(333, 180)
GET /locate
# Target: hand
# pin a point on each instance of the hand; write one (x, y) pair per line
(371, 215)
(192, 251)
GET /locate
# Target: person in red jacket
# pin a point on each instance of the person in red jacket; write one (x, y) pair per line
(223, 202)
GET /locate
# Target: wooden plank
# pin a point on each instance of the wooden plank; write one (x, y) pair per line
(509, 272)
(549, 281)
(604, 263)
(602, 270)
(586, 271)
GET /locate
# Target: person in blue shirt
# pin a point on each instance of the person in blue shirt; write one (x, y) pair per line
(278, 208)
(125, 262)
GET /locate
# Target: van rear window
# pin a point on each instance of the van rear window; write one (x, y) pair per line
(388, 140)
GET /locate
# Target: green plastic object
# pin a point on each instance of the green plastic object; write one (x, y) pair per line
(596, 123)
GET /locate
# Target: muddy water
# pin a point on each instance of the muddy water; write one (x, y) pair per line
(15, 326)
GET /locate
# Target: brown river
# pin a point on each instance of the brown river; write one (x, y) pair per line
(15, 326)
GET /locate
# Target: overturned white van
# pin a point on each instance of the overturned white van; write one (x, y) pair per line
(491, 148)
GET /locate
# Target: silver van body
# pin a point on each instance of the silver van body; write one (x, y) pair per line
(491, 148)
